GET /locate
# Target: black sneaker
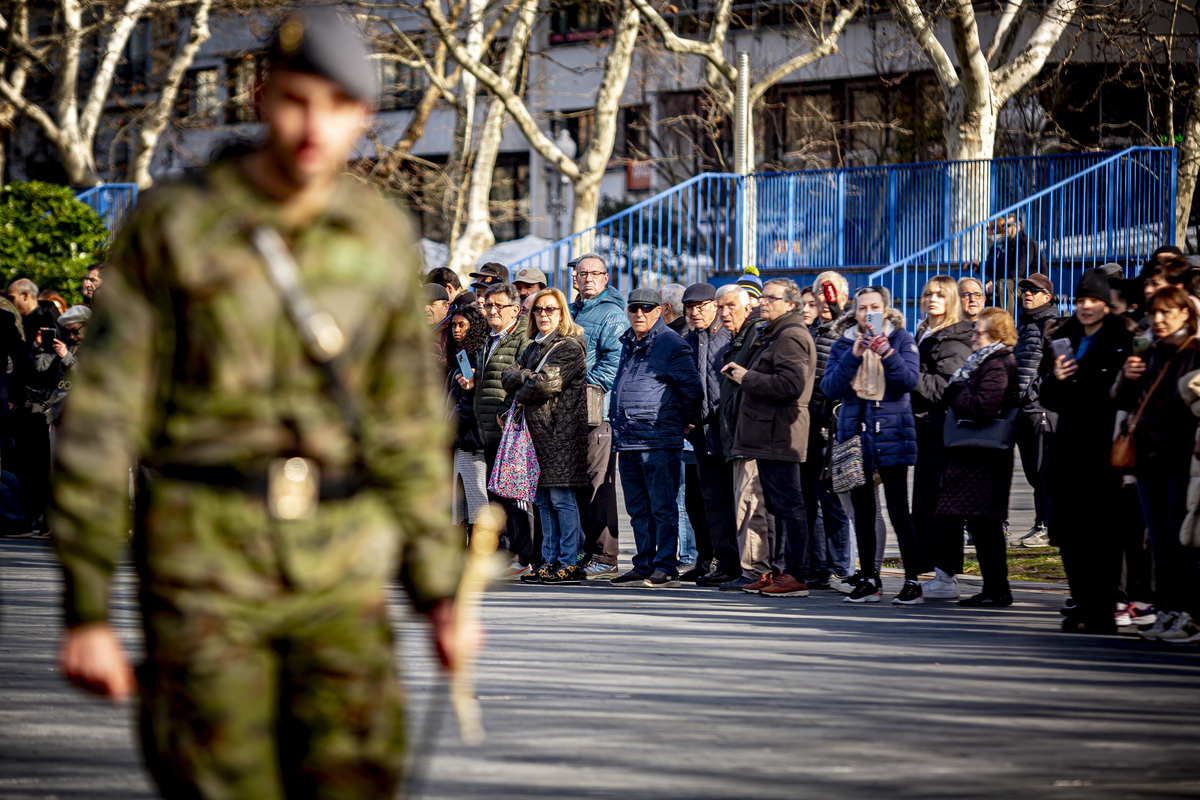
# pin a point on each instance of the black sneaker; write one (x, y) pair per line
(540, 574)
(846, 584)
(910, 595)
(630, 580)
(987, 601)
(715, 578)
(737, 584)
(866, 591)
(569, 575)
(661, 580)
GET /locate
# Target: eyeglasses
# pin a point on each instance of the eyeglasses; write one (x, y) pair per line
(587, 275)
(546, 310)
(496, 306)
(972, 295)
(698, 306)
(770, 298)
(644, 308)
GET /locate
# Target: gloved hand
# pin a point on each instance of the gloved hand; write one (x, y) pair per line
(880, 346)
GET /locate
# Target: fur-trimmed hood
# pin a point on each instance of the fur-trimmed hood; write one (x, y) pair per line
(848, 322)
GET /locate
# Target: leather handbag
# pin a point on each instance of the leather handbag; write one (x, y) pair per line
(996, 434)
(1122, 457)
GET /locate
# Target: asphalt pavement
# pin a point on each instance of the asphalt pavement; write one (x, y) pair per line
(593, 691)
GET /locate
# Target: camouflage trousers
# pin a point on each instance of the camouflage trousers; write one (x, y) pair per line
(295, 697)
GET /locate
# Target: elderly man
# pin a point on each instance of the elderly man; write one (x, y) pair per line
(437, 301)
(600, 311)
(970, 291)
(761, 552)
(672, 307)
(529, 281)
(717, 539)
(772, 425)
(23, 294)
(655, 397)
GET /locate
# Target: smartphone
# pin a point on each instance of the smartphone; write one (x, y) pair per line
(46, 339)
(464, 364)
(1141, 346)
(830, 293)
(1062, 347)
(875, 321)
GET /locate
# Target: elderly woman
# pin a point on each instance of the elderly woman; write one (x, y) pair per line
(873, 373)
(976, 480)
(549, 384)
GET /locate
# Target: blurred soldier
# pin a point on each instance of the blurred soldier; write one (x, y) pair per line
(291, 455)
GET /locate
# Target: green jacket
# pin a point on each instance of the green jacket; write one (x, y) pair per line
(190, 360)
(490, 397)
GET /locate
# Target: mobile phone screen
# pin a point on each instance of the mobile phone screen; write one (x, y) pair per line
(464, 364)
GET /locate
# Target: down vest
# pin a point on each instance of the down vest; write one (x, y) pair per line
(490, 397)
(773, 418)
(555, 402)
(1031, 337)
(656, 393)
(889, 433)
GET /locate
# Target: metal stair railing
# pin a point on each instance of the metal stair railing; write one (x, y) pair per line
(1117, 210)
(112, 202)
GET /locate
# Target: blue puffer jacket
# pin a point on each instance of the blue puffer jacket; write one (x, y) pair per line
(656, 393)
(603, 321)
(889, 432)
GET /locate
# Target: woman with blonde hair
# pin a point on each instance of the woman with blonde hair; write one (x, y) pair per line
(944, 343)
(548, 384)
(976, 480)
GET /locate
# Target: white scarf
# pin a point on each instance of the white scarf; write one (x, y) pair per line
(964, 373)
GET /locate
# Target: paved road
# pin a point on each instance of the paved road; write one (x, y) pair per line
(598, 692)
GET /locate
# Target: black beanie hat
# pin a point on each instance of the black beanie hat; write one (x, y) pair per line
(1094, 283)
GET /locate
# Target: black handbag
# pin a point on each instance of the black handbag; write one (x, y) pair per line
(996, 434)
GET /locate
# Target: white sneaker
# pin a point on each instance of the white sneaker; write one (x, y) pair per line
(515, 570)
(1184, 630)
(943, 586)
(1165, 621)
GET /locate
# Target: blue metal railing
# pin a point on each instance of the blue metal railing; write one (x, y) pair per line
(1119, 209)
(853, 219)
(112, 202)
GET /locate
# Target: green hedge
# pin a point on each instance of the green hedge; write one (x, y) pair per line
(48, 236)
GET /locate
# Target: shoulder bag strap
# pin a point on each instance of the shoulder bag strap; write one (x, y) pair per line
(1161, 374)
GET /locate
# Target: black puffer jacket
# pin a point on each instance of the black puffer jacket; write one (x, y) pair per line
(820, 407)
(1031, 337)
(942, 353)
(738, 352)
(1165, 436)
(490, 397)
(555, 403)
(708, 349)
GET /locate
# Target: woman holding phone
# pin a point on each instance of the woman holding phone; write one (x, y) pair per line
(872, 369)
(468, 332)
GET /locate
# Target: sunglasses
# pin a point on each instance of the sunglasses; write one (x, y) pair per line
(546, 310)
(645, 308)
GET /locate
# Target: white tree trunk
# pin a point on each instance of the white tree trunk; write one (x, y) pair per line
(477, 235)
(1188, 170)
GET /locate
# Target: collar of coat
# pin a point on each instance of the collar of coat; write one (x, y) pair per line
(846, 323)
(629, 338)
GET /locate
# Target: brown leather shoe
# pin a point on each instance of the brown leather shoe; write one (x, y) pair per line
(786, 586)
(765, 580)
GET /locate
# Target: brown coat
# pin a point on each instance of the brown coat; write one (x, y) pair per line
(772, 421)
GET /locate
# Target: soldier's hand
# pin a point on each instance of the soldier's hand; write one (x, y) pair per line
(454, 645)
(92, 658)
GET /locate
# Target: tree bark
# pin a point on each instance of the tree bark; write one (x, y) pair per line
(1188, 169)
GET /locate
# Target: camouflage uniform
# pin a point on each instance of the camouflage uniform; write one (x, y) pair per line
(269, 666)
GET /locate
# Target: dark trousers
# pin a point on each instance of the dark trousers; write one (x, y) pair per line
(693, 504)
(991, 547)
(1033, 442)
(598, 502)
(1132, 541)
(30, 459)
(895, 492)
(828, 527)
(650, 480)
(1176, 580)
(715, 481)
(939, 538)
(517, 537)
(785, 500)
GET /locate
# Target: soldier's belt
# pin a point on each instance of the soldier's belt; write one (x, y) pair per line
(292, 487)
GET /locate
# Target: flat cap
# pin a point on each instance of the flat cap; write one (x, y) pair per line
(320, 41)
(642, 296)
(1038, 281)
(75, 314)
(530, 275)
(699, 293)
(435, 292)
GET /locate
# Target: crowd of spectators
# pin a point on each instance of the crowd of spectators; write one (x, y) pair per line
(759, 430)
(40, 337)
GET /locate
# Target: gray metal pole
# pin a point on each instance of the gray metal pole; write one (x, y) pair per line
(742, 132)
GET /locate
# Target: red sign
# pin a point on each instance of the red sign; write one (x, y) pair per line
(637, 176)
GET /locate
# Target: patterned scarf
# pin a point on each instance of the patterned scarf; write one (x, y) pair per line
(964, 373)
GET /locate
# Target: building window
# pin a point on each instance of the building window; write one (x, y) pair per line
(245, 76)
(203, 92)
(401, 86)
(578, 21)
(810, 137)
(633, 133)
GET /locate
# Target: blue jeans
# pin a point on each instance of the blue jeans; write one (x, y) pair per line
(562, 535)
(1164, 505)
(687, 537)
(650, 479)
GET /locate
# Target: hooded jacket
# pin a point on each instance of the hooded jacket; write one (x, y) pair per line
(773, 416)
(656, 392)
(889, 434)
(708, 349)
(603, 321)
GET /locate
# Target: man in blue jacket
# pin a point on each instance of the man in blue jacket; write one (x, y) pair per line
(600, 311)
(655, 397)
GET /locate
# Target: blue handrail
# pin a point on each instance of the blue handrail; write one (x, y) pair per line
(112, 202)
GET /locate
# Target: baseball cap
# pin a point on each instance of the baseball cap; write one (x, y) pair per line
(490, 273)
(530, 275)
(1038, 281)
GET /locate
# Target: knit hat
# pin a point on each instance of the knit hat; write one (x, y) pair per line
(751, 282)
(1094, 284)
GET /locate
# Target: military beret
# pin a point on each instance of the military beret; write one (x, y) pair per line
(320, 41)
